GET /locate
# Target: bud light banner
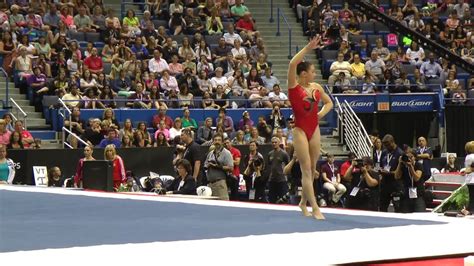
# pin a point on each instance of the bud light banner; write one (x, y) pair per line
(413, 103)
(398, 103)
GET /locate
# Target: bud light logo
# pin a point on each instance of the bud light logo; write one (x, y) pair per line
(412, 104)
(361, 104)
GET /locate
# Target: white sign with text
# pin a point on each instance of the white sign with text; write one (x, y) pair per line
(40, 173)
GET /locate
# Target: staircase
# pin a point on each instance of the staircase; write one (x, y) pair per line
(277, 46)
(442, 186)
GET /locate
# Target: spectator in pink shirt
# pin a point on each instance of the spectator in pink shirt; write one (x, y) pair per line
(162, 129)
(4, 133)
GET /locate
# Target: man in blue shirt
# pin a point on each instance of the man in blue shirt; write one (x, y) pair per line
(111, 139)
(431, 69)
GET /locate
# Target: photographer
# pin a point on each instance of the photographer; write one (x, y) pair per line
(255, 181)
(218, 163)
(410, 172)
(365, 194)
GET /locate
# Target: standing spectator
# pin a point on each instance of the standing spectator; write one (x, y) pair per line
(277, 182)
(332, 180)
(118, 171)
(7, 167)
(377, 154)
(424, 155)
(365, 195)
(410, 173)
(389, 186)
(191, 153)
(218, 163)
(337, 67)
(233, 179)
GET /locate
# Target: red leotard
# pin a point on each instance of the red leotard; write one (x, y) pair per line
(305, 109)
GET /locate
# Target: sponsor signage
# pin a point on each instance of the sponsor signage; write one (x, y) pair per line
(406, 102)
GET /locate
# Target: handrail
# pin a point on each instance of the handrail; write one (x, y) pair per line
(18, 108)
(65, 108)
(74, 135)
(280, 13)
(271, 12)
(6, 103)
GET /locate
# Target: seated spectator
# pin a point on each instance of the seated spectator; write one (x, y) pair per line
(230, 36)
(337, 67)
(225, 120)
(204, 83)
(177, 24)
(83, 22)
(276, 96)
(168, 83)
(169, 49)
(162, 116)
(415, 54)
(419, 82)
(193, 23)
(214, 23)
(140, 51)
(4, 133)
(416, 22)
(452, 84)
(369, 85)
(376, 67)
(357, 69)
(189, 63)
(204, 65)
(175, 131)
(187, 121)
(381, 51)
(239, 138)
(222, 50)
(207, 101)
(255, 137)
(459, 96)
(55, 178)
(245, 121)
(229, 64)
(393, 65)
(160, 140)
(94, 63)
(332, 180)
(87, 81)
(402, 84)
(175, 68)
(238, 10)
(127, 129)
(220, 97)
(139, 99)
(261, 64)
(107, 97)
(364, 51)
(254, 81)
(203, 49)
(237, 83)
(219, 79)
(205, 132)
(122, 84)
(260, 99)
(109, 115)
(343, 85)
(91, 100)
(354, 26)
(185, 97)
(157, 65)
(112, 138)
(189, 79)
(73, 98)
(451, 166)
(162, 130)
(431, 69)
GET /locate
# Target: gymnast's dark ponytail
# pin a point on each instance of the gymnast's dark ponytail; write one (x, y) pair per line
(302, 66)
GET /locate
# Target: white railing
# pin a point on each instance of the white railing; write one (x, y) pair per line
(19, 111)
(62, 112)
(353, 132)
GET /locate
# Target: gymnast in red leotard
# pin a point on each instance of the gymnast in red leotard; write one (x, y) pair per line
(304, 96)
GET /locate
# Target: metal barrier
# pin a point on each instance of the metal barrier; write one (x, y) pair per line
(6, 104)
(271, 12)
(65, 109)
(352, 130)
(280, 13)
(19, 109)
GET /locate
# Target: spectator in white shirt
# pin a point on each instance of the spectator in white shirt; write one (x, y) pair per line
(376, 67)
(277, 96)
(157, 64)
(269, 81)
(415, 54)
(230, 36)
(168, 82)
(219, 79)
(337, 67)
(238, 51)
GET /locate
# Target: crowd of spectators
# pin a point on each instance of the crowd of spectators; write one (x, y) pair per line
(177, 54)
(370, 58)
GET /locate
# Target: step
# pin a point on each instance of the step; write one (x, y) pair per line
(443, 184)
(44, 134)
(26, 109)
(34, 115)
(442, 192)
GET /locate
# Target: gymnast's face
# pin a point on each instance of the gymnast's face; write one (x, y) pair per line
(309, 74)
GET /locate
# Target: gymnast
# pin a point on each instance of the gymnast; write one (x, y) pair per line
(304, 96)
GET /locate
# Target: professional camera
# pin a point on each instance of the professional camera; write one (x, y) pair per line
(360, 163)
(257, 162)
(405, 158)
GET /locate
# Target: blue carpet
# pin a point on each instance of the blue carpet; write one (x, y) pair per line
(31, 221)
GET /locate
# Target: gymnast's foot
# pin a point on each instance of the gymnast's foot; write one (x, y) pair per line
(304, 210)
(318, 215)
